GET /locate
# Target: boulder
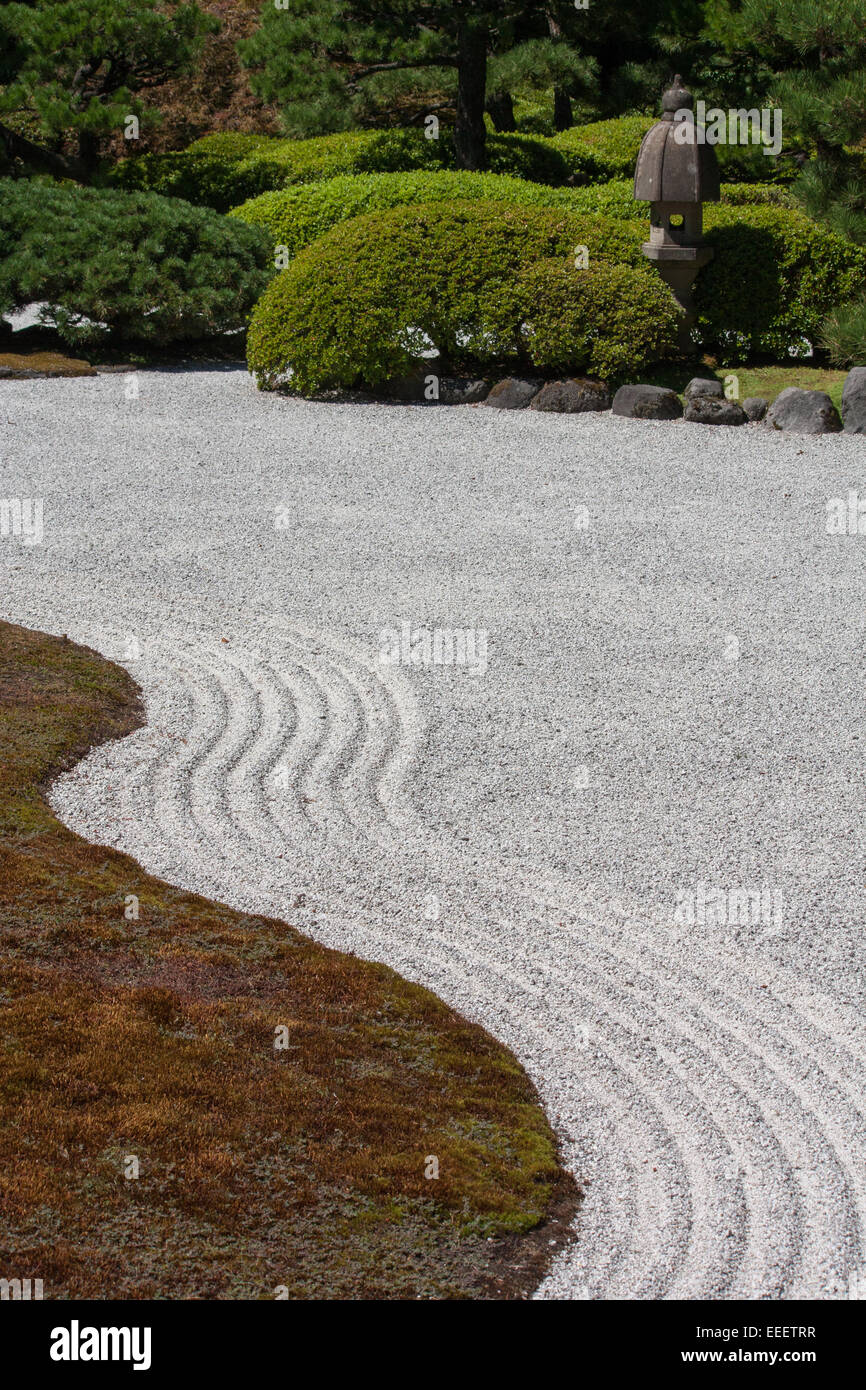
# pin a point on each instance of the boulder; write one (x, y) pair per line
(755, 407)
(410, 389)
(514, 393)
(709, 410)
(573, 396)
(804, 412)
(647, 403)
(854, 401)
(703, 386)
(461, 390)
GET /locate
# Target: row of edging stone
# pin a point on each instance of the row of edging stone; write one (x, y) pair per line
(795, 410)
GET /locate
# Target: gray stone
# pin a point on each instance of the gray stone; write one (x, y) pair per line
(514, 393)
(461, 390)
(755, 407)
(573, 396)
(854, 401)
(709, 410)
(804, 412)
(409, 388)
(703, 386)
(647, 403)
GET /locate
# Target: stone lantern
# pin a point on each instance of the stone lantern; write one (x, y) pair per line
(677, 173)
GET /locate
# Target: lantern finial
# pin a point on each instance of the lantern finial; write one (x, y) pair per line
(676, 98)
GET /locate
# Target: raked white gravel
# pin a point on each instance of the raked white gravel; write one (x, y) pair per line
(673, 697)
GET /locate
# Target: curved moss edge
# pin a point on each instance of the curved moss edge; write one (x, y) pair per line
(152, 1038)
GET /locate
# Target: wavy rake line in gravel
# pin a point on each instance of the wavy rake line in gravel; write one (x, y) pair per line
(695, 1081)
(288, 744)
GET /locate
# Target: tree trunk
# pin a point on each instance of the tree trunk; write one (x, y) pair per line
(470, 132)
(14, 146)
(562, 113)
(563, 116)
(88, 151)
(501, 108)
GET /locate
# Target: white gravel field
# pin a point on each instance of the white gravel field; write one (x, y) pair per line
(629, 841)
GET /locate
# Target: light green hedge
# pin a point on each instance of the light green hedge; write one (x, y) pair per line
(614, 145)
(294, 217)
(224, 170)
(616, 198)
(362, 302)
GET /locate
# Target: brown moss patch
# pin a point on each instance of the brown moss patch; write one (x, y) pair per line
(154, 1142)
(27, 364)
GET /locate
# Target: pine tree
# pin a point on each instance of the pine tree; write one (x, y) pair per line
(317, 58)
(818, 51)
(76, 69)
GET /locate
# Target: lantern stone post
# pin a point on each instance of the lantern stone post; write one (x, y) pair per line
(676, 175)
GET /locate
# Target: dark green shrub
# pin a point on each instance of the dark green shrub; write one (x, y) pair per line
(749, 164)
(137, 266)
(366, 300)
(214, 181)
(775, 275)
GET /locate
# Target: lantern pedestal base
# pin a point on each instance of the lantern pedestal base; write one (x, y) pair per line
(678, 267)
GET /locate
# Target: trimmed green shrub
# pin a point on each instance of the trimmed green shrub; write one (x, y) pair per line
(616, 198)
(137, 266)
(614, 146)
(359, 304)
(775, 275)
(366, 300)
(613, 199)
(774, 194)
(294, 217)
(520, 156)
(606, 321)
(207, 180)
(843, 334)
(225, 169)
(610, 148)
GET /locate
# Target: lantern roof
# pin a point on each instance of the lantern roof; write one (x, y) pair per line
(671, 169)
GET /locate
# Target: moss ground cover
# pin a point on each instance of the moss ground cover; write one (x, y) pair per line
(153, 1038)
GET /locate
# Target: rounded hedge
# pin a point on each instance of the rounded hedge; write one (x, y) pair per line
(606, 321)
(370, 298)
(134, 266)
(225, 169)
(616, 198)
(614, 146)
(774, 276)
(294, 217)
(608, 148)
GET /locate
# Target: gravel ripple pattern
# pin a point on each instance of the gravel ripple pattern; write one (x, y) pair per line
(671, 705)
